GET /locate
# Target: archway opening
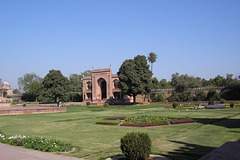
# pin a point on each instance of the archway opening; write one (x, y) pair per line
(103, 86)
(5, 94)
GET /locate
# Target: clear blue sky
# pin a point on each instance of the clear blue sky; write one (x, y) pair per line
(195, 37)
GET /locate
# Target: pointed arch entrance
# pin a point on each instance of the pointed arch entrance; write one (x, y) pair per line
(103, 88)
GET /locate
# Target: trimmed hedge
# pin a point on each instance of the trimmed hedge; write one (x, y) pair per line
(115, 118)
(108, 122)
(136, 146)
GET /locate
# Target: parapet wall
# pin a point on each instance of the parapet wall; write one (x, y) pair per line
(168, 92)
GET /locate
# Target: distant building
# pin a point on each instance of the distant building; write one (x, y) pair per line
(5, 92)
(101, 86)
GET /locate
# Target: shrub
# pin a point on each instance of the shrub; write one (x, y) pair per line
(231, 105)
(87, 103)
(222, 101)
(136, 146)
(105, 105)
(174, 105)
(24, 105)
(211, 102)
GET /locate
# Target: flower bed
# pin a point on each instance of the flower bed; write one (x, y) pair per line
(180, 121)
(215, 106)
(37, 143)
(146, 119)
(115, 118)
(143, 124)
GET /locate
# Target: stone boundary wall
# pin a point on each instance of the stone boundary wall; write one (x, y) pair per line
(168, 92)
(195, 102)
(27, 110)
(52, 104)
(5, 105)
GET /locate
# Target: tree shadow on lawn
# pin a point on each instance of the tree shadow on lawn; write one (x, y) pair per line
(224, 122)
(189, 151)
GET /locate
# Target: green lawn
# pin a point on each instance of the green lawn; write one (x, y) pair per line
(214, 127)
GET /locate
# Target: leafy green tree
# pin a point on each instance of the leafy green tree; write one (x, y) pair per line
(86, 73)
(205, 83)
(163, 83)
(55, 85)
(155, 84)
(16, 91)
(76, 80)
(200, 96)
(158, 97)
(135, 76)
(231, 92)
(181, 97)
(174, 97)
(31, 85)
(35, 90)
(219, 81)
(183, 82)
(213, 95)
(26, 80)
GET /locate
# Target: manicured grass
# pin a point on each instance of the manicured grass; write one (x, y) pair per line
(78, 126)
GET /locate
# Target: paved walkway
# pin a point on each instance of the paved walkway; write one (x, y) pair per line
(8, 152)
(229, 150)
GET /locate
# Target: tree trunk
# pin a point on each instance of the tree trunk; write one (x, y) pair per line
(134, 99)
(151, 67)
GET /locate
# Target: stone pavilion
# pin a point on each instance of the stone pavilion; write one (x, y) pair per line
(5, 91)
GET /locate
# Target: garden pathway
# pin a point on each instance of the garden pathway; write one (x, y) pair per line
(8, 152)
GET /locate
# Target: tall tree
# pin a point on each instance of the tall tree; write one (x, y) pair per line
(31, 85)
(152, 57)
(77, 79)
(75, 82)
(134, 77)
(55, 85)
(26, 80)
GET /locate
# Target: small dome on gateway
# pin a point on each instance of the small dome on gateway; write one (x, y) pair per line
(5, 83)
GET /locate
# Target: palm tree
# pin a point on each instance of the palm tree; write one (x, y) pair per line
(152, 57)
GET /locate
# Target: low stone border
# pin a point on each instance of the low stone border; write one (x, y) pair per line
(144, 124)
(152, 157)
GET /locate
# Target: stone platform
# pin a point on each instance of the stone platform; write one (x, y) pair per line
(30, 110)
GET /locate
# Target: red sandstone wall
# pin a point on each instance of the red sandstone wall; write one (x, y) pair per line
(5, 105)
(31, 111)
